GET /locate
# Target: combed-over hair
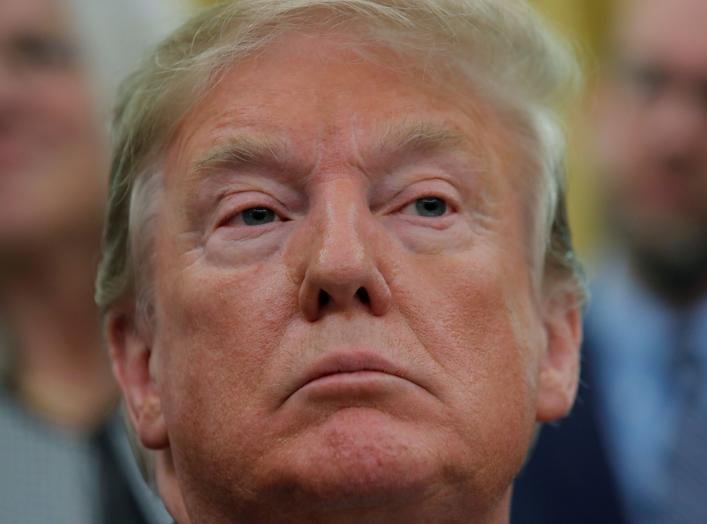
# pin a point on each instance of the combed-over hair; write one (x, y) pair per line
(502, 44)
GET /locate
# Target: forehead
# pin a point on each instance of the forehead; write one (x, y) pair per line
(19, 16)
(671, 31)
(325, 99)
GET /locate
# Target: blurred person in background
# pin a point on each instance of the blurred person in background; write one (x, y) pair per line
(635, 448)
(63, 456)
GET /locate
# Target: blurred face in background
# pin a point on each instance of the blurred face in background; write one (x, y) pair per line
(653, 133)
(52, 150)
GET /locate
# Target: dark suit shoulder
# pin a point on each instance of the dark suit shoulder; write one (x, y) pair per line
(568, 478)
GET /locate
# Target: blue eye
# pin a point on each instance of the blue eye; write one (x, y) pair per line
(258, 216)
(430, 207)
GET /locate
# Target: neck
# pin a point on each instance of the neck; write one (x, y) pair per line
(61, 372)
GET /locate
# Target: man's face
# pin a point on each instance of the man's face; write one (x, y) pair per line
(52, 149)
(653, 129)
(345, 316)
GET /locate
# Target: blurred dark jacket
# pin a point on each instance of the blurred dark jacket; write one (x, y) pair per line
(568, 479)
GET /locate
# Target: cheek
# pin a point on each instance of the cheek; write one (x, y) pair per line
(71, 150)
(60, 185)
(64, 116)
(468, 314)
(483, 329)
(217, 331)
(624, 138)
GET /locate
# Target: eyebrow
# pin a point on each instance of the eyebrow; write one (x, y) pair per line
(417, 137)
(400, 143)
(392, 141)
(243, 149)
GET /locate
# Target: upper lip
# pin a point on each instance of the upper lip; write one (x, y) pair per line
(349, 362)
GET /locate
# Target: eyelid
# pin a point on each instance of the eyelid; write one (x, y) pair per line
(409, 196)
(228, 218)
(253, 200)
(438, 187)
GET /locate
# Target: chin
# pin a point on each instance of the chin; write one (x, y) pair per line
(357, 464)
(358, 458)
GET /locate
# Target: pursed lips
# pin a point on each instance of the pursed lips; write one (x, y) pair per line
(347, 363)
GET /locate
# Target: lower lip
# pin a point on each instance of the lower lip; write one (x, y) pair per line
(353, 385)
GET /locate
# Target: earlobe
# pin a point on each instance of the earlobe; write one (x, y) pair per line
(559, 366)
(130, 352)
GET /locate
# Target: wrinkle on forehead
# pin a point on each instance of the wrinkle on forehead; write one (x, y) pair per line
(315, 51)
(406, 137)
(646, 26)
(387, 146)
(296, 125)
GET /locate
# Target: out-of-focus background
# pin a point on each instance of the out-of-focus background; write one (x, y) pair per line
(634, 448)
(64, 453)
(585, 24)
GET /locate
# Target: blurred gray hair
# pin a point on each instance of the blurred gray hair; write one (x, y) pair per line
(512, 56)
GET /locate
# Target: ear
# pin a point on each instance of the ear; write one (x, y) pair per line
(559, 366)
(130, 352)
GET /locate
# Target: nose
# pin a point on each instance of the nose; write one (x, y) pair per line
(680, 128)
(342, 271)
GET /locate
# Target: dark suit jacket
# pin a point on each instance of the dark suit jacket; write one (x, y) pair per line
(568, 479)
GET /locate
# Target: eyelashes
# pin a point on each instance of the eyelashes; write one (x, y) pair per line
(428, 206)
(251, 210)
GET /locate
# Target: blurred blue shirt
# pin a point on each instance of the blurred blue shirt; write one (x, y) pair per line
(635, 335)
(48, 475)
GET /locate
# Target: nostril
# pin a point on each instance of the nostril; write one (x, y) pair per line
(324, 298)
(362, 295)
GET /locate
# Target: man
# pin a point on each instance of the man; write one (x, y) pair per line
(635, 449)
(337, 278)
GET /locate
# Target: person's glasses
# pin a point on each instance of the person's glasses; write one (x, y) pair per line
(33, 55)
(648, 83)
